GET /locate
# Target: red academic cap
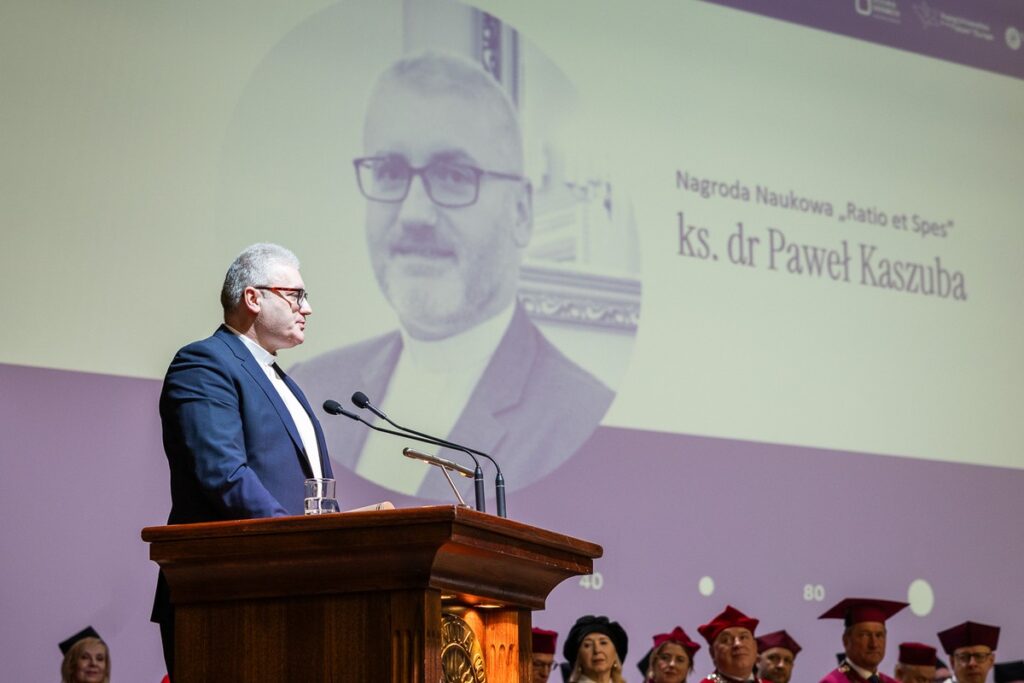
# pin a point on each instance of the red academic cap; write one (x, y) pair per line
(678, 635)
(917, 654)
(967, 634)
(544, 641)
(729, 618)
(778, 639)
(856, 610)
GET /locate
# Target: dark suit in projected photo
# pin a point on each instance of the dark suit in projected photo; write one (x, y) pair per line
(448, 218)
(240, 437)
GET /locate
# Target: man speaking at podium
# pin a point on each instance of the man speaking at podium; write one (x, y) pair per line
(239, 435)
(448, 218)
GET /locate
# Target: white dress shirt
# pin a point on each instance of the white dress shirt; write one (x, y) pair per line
(303, 423)
(428, 391)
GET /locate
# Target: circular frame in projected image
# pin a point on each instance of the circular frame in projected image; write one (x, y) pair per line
(476, 274)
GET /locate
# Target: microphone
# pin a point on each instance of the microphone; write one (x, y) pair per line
(334, 408)
(362, 401)
(440, 462)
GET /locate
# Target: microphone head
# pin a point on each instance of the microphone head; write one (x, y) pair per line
(360, 400)
(333, 407)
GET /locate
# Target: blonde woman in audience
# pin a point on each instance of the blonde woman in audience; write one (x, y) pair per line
(87, 660)
(671, 659)
(594, 649)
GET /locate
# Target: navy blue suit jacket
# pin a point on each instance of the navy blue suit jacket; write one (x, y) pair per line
(231, 444)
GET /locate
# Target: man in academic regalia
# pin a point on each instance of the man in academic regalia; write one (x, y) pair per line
(972, 650)
(776, 655)
(730, 637)
(544, 645)
(863, 639)
(917, 663)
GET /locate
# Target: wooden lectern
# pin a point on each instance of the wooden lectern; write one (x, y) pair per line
(418, 595)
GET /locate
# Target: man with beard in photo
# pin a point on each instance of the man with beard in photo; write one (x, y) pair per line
(448, 219)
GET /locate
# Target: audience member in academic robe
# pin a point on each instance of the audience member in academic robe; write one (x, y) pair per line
(671, 658)
(86, 658)
(972, 649)
(730, 636)
(544, 645)
(595, 649)
(917, 663)
(863, 639)
(776, 655)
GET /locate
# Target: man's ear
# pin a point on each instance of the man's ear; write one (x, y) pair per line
(252, 300)
(523, 228)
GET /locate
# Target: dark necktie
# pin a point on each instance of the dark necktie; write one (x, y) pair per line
(282, 376)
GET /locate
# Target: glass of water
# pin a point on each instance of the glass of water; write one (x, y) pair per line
(320, 497)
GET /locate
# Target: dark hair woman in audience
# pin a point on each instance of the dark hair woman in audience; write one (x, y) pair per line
(594, 649)
(87, 661)
(671, 658)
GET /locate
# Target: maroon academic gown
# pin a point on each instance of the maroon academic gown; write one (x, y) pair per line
(844, 673)
(715, 677)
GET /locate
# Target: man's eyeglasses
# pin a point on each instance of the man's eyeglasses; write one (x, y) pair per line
(544, 666)
(448, 184)
(966, 657)
(295, 296)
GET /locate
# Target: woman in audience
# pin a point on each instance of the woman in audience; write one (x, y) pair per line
(87, 661)
(671, 659)
(594, 649)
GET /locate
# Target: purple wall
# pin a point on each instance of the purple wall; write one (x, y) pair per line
(85, 472)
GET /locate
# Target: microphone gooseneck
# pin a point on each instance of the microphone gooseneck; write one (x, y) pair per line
(361, 400)
(332, 407)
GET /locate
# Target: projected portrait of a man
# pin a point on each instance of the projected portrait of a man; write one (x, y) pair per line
(449, 215)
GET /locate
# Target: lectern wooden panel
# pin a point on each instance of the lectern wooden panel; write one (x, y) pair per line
(360, 596)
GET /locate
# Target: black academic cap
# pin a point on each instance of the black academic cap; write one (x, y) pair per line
(1010, 672)
(87, 632)
(645, 662)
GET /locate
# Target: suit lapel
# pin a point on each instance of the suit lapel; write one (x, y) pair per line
(257, 374)
(500, 387)
(372, 379)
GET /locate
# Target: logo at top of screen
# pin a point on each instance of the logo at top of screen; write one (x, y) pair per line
(1013, 37)
(928, 15)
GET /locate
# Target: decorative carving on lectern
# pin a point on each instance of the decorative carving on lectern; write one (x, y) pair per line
(462, 658)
